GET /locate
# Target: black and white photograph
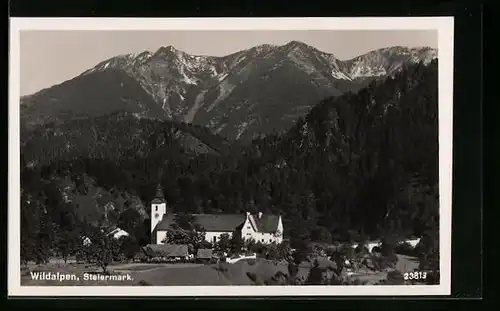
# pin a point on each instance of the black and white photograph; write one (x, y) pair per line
(261, 156)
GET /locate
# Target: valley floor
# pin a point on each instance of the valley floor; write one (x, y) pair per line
(181, 274)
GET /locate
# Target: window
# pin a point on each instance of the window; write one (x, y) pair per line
(262, 240)
(248, 233)
(270, 240)
(156, 208)
(248, 228)
(215, 239)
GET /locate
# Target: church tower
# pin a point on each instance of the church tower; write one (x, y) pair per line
(158, 207)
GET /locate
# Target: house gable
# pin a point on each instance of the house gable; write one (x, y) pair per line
(266, 223)
(252, 222)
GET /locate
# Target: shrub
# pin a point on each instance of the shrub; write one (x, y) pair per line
(258, 248)
(315, 276)
(393, 258)
(143, 283)
(280, 278)
(428, 244)
(376, 249)
(25, 271)
(331, 251)
(388, 246)
(405, 248)
(251, 262)
(383, 262)
(361, 249)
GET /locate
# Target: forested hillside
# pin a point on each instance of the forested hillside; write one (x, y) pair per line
(361, 165)
(117, 136)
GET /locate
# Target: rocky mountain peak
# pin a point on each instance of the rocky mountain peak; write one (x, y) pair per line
(234, 94)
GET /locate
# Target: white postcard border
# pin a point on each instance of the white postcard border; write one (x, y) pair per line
(445, 28)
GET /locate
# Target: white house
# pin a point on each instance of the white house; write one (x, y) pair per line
(118, 233)
(262, 228)
(371, 245)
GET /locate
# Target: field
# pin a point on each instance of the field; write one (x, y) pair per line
(183, 274)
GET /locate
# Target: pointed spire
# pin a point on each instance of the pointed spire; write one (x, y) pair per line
(159, 197)
(159, 192)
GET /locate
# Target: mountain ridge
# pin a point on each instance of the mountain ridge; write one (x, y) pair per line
(260, 89)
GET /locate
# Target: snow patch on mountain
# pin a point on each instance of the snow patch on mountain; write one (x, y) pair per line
(363, 70)
(340, 75)
(179, 82)
(242, 127)
(220, 128)
(185, 78)
(387, 61)
(194, 109)
(300, 58)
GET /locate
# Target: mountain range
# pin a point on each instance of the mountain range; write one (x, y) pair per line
(259, 90)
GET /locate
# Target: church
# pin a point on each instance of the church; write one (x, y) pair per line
(262, 228)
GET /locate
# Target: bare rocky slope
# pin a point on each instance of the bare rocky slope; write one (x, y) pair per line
(262, 89)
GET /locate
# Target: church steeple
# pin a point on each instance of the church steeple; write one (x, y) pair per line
(159, 192)
(159, 197)
(158, 210)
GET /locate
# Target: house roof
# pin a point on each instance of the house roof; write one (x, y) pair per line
(114, 229)
(166, 250)
(266, 223)
(209, 222)
(204, 253)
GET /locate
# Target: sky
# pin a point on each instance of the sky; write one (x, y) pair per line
(52, 57)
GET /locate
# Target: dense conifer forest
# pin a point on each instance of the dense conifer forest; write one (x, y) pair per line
(359, 166)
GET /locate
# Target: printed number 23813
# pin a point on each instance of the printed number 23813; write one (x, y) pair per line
(417, 275)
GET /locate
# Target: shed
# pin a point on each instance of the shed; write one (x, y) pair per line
(166, 250)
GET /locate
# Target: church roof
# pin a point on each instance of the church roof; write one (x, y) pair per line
(209, 222)
(224, 222)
